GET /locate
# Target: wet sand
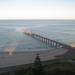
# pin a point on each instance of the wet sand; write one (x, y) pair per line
(27, 57)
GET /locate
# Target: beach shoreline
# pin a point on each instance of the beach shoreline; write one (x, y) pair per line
(27, 57)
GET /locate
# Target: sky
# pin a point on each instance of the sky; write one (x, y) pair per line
(37, 9)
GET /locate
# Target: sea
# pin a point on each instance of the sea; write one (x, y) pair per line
(12, 38)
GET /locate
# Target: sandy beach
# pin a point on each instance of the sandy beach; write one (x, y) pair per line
(19, 58)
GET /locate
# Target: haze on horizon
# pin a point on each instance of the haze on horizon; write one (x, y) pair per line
(37, 9)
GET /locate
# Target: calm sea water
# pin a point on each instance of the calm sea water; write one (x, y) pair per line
(11, 36)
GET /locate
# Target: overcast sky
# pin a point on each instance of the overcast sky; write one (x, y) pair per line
(37, 9)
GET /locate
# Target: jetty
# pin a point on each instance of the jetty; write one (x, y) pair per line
(50, 42)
